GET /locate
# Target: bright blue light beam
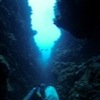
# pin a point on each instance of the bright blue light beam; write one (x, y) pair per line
(42, 21)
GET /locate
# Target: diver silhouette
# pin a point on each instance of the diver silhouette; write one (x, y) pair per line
(42, 92)
(37, 93)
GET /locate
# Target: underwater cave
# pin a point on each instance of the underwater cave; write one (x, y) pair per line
(49, 50)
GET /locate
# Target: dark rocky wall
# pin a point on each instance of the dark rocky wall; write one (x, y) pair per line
(76, 68)
(18, 47)
(77, 60)
(80, 17)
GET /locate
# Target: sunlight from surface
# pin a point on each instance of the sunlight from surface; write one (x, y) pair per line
(42, 21)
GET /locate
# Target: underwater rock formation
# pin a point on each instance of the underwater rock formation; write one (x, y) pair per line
(75, 62)
(78, 80)
(16, 45)
(80, 17)
(76, 67)
(88, 86)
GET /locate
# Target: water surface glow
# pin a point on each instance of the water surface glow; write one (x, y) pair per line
(42, 21)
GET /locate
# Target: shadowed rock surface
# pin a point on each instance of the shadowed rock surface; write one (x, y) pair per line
(80, 17)
(17, 46)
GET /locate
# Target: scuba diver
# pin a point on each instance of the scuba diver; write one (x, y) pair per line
(42, 92)
(37, 93)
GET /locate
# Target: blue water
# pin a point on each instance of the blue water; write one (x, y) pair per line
(42, 21)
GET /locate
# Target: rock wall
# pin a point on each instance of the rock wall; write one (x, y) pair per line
(80, 17)
(76, 68)
(18, 47)
(76, 62)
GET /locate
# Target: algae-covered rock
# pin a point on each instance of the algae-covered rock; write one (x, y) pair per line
(88, 86)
